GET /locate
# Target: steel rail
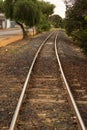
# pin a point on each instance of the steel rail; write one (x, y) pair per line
(68, 89)
(14, 119)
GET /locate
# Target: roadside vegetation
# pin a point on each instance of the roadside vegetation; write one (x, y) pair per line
(46, 9)
(1, 6)
(76, 22)
(56, 21)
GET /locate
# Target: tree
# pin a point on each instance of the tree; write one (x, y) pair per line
(28, 12)
(56, 20)
(46, 9)
(24, 12)
(76, 22)
(75, 16)
(1, 6)
(69, 3)
(44, 24)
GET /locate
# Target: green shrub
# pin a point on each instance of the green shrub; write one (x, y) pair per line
(45, 26)
(81, 37)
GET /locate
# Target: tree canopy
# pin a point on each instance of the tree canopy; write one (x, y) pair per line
(46, 10)
(75, 16)
(24, 12)
(56, 20)
(1, 6)
(28, 12)
(76, 22)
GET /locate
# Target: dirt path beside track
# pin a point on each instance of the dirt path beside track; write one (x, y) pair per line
(9, 39)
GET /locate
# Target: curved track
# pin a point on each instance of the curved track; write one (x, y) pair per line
(45, 104)
(74, 64)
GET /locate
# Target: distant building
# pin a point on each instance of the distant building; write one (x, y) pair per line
(2, 21)
(5, 23)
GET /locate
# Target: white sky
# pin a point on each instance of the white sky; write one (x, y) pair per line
(60, 7)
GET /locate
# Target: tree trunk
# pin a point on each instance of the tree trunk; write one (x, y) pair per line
(23, 30)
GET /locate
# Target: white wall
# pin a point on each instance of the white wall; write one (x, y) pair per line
(3, 24)
(8, 23)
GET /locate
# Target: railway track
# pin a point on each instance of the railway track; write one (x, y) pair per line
(72, 58)
(43, 104)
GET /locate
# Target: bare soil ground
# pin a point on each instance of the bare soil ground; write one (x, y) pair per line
(45, 106)
(7, 40)
(75, 68)
(15, 59)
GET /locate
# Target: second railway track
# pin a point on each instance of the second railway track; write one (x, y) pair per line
(45, 105)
